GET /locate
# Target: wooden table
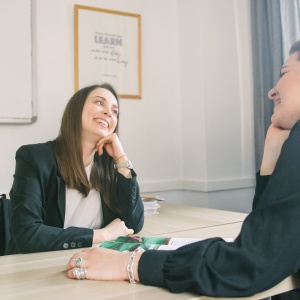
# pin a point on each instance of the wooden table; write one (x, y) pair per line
(42, 275)
(176, 218)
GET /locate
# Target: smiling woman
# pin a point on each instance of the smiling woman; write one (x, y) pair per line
(100, 117)
(287, 112)
(267, 248)
(79, 189)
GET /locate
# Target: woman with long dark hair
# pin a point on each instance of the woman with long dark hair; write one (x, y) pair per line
(79, 189)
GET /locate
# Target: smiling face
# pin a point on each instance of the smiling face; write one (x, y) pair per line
(99, 115)
(286, 94)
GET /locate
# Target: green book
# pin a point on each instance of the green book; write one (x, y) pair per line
(130, 243)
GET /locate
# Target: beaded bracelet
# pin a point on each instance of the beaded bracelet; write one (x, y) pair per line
(131, 263)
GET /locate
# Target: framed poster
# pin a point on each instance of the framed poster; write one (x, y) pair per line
(108, 49)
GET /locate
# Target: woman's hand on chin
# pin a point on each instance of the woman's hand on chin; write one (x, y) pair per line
(273, 143)
(112, 145)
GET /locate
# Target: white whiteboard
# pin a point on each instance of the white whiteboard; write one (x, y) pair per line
(17, 70)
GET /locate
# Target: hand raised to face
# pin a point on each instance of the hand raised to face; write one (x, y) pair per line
(112, 145)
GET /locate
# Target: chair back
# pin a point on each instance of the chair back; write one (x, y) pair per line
(4, 224)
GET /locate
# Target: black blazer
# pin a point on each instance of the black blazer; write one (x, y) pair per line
(38, 204)
(266, 251)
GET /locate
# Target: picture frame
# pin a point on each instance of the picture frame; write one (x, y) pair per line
(108, 49)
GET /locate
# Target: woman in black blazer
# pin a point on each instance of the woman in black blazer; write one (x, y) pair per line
(266, 251)
(79, 189)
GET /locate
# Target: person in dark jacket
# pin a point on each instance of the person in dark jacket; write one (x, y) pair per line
(79, 189)
(267, 249)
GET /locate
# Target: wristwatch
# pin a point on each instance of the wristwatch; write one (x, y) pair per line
(128, 164)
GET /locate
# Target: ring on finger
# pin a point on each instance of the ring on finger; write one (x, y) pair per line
(80, 273)
(78, 261)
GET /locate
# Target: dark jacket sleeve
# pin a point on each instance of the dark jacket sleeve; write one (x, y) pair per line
(265, 252)
(132, 208)
(261, 183)
(36, 221)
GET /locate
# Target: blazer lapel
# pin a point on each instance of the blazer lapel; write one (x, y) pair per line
(61, 196)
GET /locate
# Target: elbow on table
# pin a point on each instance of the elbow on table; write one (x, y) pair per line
(23, 241)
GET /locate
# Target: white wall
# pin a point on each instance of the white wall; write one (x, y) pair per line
(191, 136)
(216, 100)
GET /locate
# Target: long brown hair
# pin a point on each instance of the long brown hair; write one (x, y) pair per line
(68, 152)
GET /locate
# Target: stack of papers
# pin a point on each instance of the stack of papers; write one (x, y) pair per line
(151, 205)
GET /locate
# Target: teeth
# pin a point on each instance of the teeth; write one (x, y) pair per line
(105, 124)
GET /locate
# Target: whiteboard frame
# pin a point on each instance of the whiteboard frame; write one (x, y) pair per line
(33, 118)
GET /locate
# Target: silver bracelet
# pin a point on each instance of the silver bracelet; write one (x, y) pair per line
(131, 263)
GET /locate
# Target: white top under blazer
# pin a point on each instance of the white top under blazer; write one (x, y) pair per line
(83, 211)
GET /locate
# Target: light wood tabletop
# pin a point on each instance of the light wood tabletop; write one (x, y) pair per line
(43, 276)
(173, 218)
